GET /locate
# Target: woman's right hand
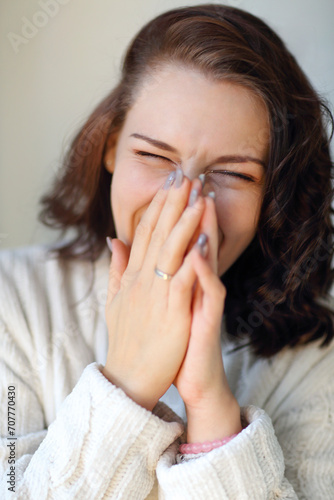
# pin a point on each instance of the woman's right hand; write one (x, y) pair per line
(149, 318)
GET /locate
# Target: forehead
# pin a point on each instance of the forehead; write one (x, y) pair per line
(184, 106)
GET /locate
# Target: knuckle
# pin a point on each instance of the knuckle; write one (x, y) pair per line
(113, 287)
(112, 291)
(158, 237)
(135, 294)
(177, 203)
(165, 253)
(127, 279)
(191, 216)
(114, 277)
(159, 198)
(143, 229)
(136, 288)
(179, 286)
(196, 209)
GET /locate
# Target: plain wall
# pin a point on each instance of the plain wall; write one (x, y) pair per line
(58, 58)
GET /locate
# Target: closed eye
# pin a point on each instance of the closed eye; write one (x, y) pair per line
(145, 153)
(232, 174)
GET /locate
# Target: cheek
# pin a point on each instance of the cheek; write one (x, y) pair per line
(133, 188)
(127, 186)
(133, 183)
(237, 215)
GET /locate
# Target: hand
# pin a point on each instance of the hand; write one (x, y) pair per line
(149, 319)
(212, 410)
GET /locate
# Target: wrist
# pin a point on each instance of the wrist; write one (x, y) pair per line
(215, 420)
(139, 397)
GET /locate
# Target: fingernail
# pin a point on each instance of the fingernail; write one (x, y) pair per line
(193, 197)
(212, 195)
(109, 243)
(170, 180)
(202, 244)
(202, 179)
(178, 178)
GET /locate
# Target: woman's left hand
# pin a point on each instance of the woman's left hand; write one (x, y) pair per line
(212, 410)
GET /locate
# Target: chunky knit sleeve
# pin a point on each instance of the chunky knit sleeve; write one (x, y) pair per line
(248, 467)
(256, 465)
(101, 445)
(287, 449)
(65, 431)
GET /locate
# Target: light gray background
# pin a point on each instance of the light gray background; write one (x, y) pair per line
(53, 77)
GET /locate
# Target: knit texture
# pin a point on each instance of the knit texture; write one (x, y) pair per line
(79, 436)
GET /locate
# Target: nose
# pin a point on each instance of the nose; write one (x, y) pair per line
(193, 172)
(191, 169)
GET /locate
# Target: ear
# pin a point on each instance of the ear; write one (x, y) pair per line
(109, 157)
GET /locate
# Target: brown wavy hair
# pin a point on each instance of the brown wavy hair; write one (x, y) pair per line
(276, 289)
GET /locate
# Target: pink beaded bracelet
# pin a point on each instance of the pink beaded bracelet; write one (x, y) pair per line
(204, 447)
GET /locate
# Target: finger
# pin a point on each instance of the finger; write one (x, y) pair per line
(184, 289)
(209, 226)
(175, 247)
(176, 202)
(198, 297)
(207, 309)
(175, 211)
(182, 285)
(214, 292)
(119, 262)
(145, 229)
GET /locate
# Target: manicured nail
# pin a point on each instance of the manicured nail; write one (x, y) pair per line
(193, 197)
(212, 195)
(178, 178)
(170, 180)
(202, 179)
(109, 243)
(202, 244)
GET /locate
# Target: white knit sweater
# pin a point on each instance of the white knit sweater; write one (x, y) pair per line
(78, 436)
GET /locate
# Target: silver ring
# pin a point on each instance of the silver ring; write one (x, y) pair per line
(162, 275)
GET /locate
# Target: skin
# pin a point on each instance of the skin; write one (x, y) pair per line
(172, 335)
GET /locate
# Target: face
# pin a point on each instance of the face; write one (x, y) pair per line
(180, 118)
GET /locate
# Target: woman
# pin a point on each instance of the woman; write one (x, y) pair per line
(208, 168)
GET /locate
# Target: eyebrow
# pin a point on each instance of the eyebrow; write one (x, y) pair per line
(220, 159)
